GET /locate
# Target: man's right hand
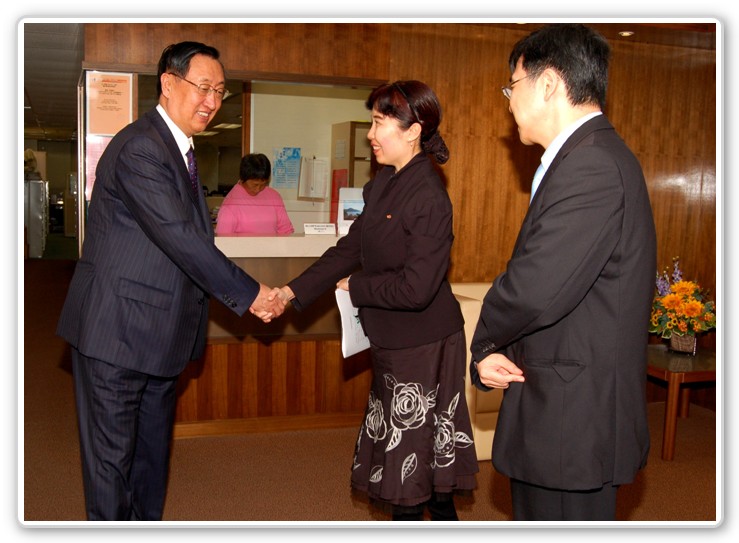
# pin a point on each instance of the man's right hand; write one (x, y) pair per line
(497, 371)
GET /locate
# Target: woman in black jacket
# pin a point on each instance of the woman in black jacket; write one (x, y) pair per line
(415, 445)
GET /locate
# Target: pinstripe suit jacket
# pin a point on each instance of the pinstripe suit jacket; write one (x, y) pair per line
(139, 295)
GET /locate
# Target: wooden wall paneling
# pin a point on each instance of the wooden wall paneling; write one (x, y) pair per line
(218, 394)
(662, 94)
(330, 376)
(249, 379)
(302, 373)
(187, 391)
(320, 383)
(684, 206)
(278, 377)
(662, 99)
(292, 386)
(115, 43)
(191, 387)
(234, 378)
(265, 384)
(358, 374)
(279, 51)
(352, 398)
(487, 215)
(204, 383)
(241, 380)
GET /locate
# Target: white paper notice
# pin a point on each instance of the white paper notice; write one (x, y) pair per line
(353, 338)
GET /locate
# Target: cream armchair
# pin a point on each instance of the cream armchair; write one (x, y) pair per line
(483, 406)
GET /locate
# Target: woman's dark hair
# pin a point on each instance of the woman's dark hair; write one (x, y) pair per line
(176, 59)
(577, 53)
(255, 166)
(413, 102)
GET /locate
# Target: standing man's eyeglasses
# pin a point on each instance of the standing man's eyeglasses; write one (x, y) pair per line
(205, 89)
(508, 89)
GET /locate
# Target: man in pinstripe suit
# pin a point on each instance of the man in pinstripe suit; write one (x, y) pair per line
(137, 307)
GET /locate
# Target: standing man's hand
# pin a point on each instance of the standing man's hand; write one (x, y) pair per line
(497, 371)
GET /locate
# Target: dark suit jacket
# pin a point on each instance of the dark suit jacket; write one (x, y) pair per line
(397, 253)
(139, 295)
(572, 311)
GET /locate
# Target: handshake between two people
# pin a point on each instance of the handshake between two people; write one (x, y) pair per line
(270, 303)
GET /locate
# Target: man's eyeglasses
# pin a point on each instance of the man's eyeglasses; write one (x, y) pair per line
(205, 89)
(508, 89)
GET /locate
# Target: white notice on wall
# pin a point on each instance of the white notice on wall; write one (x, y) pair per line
(313, 184)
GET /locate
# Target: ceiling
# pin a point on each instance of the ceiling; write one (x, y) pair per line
(53, 54)
(51, 70)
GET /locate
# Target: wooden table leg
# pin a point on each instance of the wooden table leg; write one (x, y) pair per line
(684, 402)
(671, 405)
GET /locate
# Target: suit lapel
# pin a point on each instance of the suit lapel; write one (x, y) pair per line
(169, 142)
(597, 123)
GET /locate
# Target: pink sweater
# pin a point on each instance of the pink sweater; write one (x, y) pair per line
(242, 213)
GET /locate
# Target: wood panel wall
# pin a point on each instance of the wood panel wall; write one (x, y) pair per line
(309, 52)
(661, 99)
(253, 379)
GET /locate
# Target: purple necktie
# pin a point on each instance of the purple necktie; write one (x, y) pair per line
(192, 167)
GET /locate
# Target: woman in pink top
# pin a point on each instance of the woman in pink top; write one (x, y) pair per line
(251, 206)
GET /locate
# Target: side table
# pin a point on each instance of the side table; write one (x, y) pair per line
(676, 369)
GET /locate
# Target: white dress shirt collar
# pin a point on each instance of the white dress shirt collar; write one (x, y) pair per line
(183, 142)
(556, 145)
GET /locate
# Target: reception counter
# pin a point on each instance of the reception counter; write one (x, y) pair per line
(288, 246)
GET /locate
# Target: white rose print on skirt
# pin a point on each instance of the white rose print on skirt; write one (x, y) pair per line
(409, 409)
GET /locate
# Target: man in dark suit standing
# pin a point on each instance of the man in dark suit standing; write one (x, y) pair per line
(137, 307)
(564, 328)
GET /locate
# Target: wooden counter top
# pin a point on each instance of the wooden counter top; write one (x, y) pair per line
(291, 245)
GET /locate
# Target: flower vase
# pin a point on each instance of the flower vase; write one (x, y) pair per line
(683, 344)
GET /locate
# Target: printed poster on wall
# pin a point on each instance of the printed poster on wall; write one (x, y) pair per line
(286, 168)
(351, 205)
(108, 109)
(109, 102)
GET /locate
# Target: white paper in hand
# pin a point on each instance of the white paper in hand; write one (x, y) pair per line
(353, 338)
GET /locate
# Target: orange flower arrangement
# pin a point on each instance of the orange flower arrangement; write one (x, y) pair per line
(680, 307)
